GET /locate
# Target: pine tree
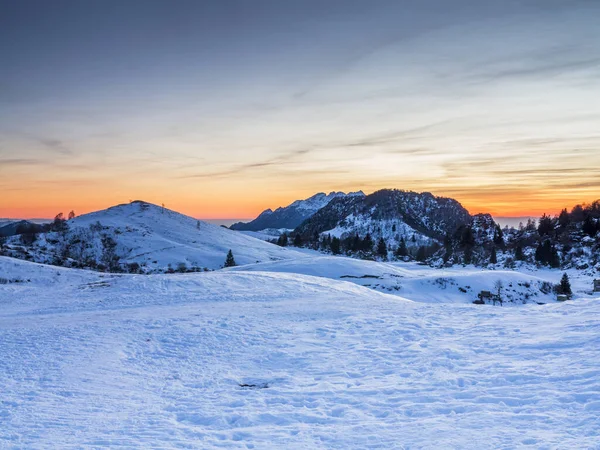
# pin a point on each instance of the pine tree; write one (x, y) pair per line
(282, 241)
(589, 227)
(468, 255)
(71, 215)
(402, 251)
(356, 244)
(565, 286)
(554, 258)
(335, 246)
(547, 255)
(421, 254)
(448, 247)
(467, 238)
(230, 261)
(59, 223)
(519, 255)
(382, 248)
(297, 240)
(367, 244)
(564, 219)
(546, 225)
(493, 256)
(499, 237)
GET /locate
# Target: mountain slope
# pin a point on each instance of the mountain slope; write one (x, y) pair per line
(17, 227)
(155, 238)
(391, 214)
(292, 215)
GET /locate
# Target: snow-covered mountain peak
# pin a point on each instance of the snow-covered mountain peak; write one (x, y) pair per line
(292, 215)
(149, 237)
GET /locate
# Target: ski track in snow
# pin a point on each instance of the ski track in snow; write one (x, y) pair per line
(89, 361)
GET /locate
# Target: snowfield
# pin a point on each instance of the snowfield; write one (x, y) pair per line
(422, 283)
(277, 359)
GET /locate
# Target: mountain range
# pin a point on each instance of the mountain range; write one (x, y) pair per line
(289, 217)
(388, 213)
(386, 225)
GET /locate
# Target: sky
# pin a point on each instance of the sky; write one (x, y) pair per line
(220, 109)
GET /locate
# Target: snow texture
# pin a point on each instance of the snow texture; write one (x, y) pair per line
(276, 359)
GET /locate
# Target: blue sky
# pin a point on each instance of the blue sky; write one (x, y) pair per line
(224, 108)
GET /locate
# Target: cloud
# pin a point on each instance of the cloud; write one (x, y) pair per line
(5, 162)
(529, 68)
(55, 145)
(276, 161)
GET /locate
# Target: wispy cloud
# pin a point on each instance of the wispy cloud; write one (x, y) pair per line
(286, 158)
(55, 145)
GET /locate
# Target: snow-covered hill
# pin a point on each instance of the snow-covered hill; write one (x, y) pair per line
(289, 217)
(155, 238)
(281, 360)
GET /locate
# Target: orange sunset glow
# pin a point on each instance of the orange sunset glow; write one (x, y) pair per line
(499, 118)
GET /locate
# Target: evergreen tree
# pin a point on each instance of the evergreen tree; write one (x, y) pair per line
(565, 286)
(27, 234)
(297, 240)
(282, 241)
(71, 215)
(356, 244)
(546, 225)
(230, 260)
(554, 258)
(316, 240)
(402, 251)
(448, 247)
(326, 243)
(499, 237)
(519, 255)
(468, 255)
(382, 248)
(589, 226)
(109, 257)
(467, 239)
(421, 254)
(367, 244)
(334, 246)
(59, 223)
(530, 225)
(547, 255)
(540, 255)
(564, 219)
(493, 256)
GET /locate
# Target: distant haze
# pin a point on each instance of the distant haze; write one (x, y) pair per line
(226, 222)
(513, 221)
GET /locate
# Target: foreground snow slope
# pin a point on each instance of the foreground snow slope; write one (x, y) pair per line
(419, 283)
(275, 360)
